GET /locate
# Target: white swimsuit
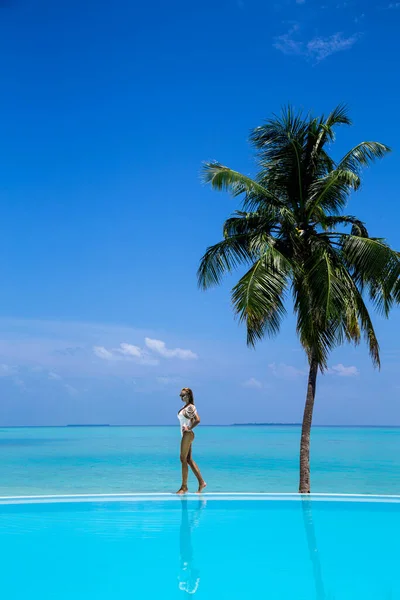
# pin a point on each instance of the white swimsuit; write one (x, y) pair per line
(186, 415)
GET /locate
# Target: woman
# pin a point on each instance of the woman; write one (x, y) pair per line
(189, 419)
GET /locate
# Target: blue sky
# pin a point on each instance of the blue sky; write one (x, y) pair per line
(107, 114)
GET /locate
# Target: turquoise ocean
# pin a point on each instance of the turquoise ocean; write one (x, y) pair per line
(65, 460)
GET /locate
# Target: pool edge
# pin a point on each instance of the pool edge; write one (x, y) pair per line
(217, 496)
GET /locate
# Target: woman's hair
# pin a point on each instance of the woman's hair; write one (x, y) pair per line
(189, 392)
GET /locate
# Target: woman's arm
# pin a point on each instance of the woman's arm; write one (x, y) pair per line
(194, 422)
(190, 412)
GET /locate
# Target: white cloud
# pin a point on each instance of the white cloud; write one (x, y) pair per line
(33, 349)
(287, 44)
(160, 347)
(54, 376)
(320, 48)
(252, 383)
(37, 372)
(343, 371)
(125, 352)
(317, 48)
(101, 352)
(284, 371)
(130, 350)
(69, 388)
(7, 370)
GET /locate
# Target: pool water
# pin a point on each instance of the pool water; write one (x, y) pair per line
(215, 547)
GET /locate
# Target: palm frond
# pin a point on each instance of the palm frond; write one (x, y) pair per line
(250, 223)
(223, 178)
(323, 302)
(280, 144)
(362, 314)
(338, 116)
(274, 137)
(325, 288)
(317, 338)
(362, 155)
(358, 227)
(223, 258)
(331, 192)
(369, 257)
(396, 291)
(258, 297)
(383, 292)
(374, 264)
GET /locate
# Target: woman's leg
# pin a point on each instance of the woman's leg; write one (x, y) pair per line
(186, 443)
(195, 469)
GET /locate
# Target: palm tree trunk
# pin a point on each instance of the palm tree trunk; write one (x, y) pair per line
(305, 487)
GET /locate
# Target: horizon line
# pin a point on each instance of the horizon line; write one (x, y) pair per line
(107, 425)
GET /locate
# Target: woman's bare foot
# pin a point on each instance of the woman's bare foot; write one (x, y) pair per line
(201, 487)
(182, 490)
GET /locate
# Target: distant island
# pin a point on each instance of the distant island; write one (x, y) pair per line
(266, 425)
(83, 425)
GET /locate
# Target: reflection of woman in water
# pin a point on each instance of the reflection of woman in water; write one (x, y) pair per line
(189, 419)
(189, 576)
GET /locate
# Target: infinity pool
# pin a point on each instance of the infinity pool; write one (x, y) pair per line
(217, 547)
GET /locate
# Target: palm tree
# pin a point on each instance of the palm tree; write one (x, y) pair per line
(291, 236)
